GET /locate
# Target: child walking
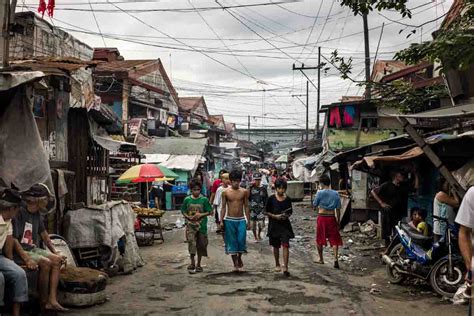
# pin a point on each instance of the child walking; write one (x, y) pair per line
(280, 232)
(195, 209)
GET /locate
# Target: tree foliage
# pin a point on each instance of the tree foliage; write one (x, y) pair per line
(452, 46)
(365, 6)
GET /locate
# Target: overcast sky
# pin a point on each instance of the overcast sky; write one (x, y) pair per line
(230, 56)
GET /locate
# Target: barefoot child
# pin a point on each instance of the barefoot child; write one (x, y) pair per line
(328, 204)
(258, 197)
(195, 209)
(280, 232)
(234, 200)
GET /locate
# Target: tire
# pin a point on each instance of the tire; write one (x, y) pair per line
(393, 275)
(442, 283)
(82, 280)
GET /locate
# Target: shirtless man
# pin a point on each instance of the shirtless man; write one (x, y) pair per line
(234, 224)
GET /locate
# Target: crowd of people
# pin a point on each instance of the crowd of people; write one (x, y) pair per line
(25, 246)
(238, 209)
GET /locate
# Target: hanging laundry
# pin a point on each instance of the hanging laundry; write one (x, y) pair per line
(349, 115)
(51, 5)
(335, 117)
(42, 7)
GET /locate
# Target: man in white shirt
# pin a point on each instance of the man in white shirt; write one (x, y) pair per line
(465, 218)
(14, 275)
(217, 203)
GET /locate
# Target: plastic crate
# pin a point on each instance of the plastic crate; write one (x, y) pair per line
(180, 189)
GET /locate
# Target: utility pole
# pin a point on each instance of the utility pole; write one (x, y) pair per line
(367, 57)
(248, 131)
(318, 88)
(7, 18)
(319, 92)
(307, 111)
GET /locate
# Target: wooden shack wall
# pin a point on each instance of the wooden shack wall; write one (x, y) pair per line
(78, 139)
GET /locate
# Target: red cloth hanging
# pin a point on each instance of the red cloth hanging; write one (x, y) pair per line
(335, 117)
(51, 5)
(42, 7)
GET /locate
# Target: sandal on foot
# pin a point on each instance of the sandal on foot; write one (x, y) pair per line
(277, 269)
(199, 269)
(286, 273)
(191, 268)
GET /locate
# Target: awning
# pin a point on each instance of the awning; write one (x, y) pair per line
(13, 79)
(156, 158)
(113, 145)
(183, 162)
(447, 112)
(282, 159)
(371, 161)
(102, 138)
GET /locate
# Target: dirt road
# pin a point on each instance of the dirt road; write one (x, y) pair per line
(164, 286)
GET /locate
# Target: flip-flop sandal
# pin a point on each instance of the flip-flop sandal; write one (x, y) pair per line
(199, 269)
(277, 269)
(318, 262)
(191, 268)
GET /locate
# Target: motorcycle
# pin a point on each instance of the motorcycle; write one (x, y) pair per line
(413, 255)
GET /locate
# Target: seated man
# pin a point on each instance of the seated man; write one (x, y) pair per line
(28, 230)
(13, 276)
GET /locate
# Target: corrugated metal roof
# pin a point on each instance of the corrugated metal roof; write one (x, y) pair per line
(124, 65)
(188, 103)
(452, 111)
(53, 65)
(172, 146)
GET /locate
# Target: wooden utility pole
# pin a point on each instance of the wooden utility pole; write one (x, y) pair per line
(248, 130)
(307, 111)
(367, 57)
(319, 92)
(125, 96)
(5, 20)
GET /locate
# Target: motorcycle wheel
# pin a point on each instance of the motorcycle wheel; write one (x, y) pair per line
(393, 275)
(441, 282)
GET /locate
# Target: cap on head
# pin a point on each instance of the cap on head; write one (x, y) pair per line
(257, 176)
(11, 196)
(37, 191)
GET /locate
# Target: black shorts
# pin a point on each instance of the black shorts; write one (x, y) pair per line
(278, 242)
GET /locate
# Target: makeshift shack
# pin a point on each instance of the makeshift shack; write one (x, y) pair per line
(375, 168)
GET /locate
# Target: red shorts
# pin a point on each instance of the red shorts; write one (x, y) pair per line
(326, 229)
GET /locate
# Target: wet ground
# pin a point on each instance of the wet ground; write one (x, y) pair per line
(164, 286)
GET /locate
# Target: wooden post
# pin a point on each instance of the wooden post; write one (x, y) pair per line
(4, 32)
(419, 140)
(125, 95)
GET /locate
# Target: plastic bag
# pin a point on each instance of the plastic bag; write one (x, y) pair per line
(462, 297)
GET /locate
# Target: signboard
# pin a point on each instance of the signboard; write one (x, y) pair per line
(343, 139)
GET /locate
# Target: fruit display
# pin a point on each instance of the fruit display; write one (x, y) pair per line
(148, 211)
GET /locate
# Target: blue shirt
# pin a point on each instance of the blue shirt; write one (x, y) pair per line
(327, 199)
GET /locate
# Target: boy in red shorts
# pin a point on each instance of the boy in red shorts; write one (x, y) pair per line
(328, 204)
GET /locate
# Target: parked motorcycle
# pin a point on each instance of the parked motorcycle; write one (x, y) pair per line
(413, 255)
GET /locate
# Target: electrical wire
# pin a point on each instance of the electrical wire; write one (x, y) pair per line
(97, 23)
